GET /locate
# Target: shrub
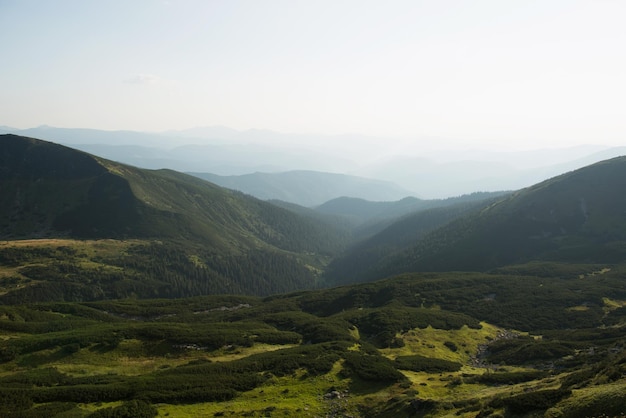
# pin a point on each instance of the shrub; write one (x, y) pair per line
(451, 346)
(130, 409)
(538, 400)
(372, 367)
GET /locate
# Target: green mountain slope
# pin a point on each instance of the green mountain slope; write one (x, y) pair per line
(50, 191)
(576, 217)
(367, 218)
(361, 262)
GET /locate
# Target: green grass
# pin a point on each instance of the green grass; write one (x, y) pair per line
(599, 401)
(430, 342)
(290, 396)
(261, 347)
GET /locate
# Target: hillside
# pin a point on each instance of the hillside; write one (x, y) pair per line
(361, 261)
(308, 188)
(52, 192)
(99, 260)
(360, 211)
(575, 217)
(424, 345)
(218, 150)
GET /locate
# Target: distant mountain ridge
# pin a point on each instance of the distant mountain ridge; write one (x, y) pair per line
(139, 198)
(438, 169)
(217, 150)
(476, 172)
(576, 217)
(361, 211)
(383, 240)
(308, 188)
(51, 191)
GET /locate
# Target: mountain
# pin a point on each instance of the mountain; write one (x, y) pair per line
(217, 150)
(440, 174)
(213, 237)
(577, 217)
(98, 257)
(361, 262)
(307, 188)
(203, 132)
(361, 211)
(77, 136)
(430, 168)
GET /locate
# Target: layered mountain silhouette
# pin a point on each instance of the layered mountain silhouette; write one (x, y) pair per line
(308, 188)
(440, 170)
(102, 259)
(577, 217)
(51, 191)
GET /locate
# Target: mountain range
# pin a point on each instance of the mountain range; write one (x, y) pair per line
(578, 217)
(308, 188)
(126, 291)
(51, 191)
(435, 169)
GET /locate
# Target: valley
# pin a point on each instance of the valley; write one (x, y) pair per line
(407, 346)
(135, 292)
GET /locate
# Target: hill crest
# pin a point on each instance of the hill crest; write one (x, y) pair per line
(576, 217)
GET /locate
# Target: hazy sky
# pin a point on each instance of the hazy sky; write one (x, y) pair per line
(527, 72)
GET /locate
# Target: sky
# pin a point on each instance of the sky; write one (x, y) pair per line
(526, 73)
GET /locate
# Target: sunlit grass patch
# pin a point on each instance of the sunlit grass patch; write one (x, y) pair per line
(129, 359)
(612, 304)
(92, 407)
(459, 386)
(441, 344)
(86, 255)
(579, 308)
(600, 401)
(298, 395)
(237, 353)
(443, 386)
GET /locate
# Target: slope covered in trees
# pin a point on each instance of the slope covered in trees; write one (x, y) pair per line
(189, 228)
(577, 217)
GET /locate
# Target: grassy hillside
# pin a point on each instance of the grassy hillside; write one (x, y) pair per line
(190, 230)
(426, 345)
(577, 217)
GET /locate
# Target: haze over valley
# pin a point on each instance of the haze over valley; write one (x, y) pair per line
(312, 209)
(97, 241)
(271, 165)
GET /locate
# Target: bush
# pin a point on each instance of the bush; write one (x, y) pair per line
(538, 400)
(12, 400)
(506, 378)
(372, 368)
(130, 409)
(451, 346)
(527, 350)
